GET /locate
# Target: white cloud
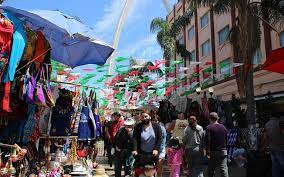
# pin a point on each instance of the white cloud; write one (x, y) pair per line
(146, 48)
(105, 27)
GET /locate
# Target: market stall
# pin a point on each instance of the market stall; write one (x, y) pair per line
(51, 125)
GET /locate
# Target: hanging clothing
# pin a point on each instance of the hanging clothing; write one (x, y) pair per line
(28, 52)
(87, 125)
(27, 129)
(42, 48)
(62, 114)
(6, 34)
(98, 126)
(18, 46)
(31, 44)
(6, 97)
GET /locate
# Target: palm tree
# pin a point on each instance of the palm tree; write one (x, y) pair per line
(245, 37)
(167, 34)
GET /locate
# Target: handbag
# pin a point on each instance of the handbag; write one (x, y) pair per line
(30, 88)
(39, 93)
(47, 90)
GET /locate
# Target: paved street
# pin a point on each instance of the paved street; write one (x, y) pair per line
(233, 171)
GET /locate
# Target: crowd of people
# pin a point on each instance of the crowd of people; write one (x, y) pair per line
(141, 145)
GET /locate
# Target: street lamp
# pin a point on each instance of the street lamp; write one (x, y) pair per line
(198, 90)
(211, 91)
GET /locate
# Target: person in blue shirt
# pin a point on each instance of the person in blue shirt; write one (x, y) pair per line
(155, 119)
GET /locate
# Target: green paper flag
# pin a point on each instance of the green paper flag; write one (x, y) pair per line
(108, 75)
(194, 75)
(120, 59)
(187, 93)
(159, 92)
(100, 80)
(105, 103)
(86, 79)
(177, 62)
(208, 70)
(169, 69)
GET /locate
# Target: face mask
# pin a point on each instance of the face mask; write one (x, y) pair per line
(146, 121)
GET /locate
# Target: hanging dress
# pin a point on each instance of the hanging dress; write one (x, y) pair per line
(6, 34)
(18, 46)
(87, 125)
(61, 115)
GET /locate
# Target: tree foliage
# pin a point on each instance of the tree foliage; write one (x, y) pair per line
(167, 34)
(245, 36)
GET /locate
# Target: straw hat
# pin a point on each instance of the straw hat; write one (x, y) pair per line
(100, 172)
(129, 121)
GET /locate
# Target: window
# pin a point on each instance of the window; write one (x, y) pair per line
(191, 33)
(223, 35)
(226, 67)
(192, 56)
(205, 48)
(281, 36)
(180, 40)
(204, 20)
(257, 57)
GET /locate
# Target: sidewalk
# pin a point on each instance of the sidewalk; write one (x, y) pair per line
(233, 171)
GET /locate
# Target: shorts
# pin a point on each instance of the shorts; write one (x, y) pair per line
(162, 154)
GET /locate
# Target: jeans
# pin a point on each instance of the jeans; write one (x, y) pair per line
(277, 158)
(123, 159)
(194, 159)
(217, 159)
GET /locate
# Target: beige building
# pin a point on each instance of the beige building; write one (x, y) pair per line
(206, 38)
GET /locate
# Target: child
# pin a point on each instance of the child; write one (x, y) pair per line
(149, 171)
(174, 154)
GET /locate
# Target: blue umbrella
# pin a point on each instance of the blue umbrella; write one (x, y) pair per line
(72, 42)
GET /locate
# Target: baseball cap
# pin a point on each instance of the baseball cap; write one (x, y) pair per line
(129, 121)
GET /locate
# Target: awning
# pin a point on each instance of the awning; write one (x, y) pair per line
(275, 61)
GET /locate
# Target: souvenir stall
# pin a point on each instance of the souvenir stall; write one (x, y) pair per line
(38, 133)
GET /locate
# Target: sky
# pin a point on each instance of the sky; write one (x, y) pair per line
(136, 40)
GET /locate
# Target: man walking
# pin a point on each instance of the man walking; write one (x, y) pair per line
(123, 144)
(275, 138)
(216, 146)
(193, 143)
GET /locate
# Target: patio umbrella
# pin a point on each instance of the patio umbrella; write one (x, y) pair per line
(72, 42)
(275, 61)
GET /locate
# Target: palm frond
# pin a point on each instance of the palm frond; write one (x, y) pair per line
(157, 24)
(181, 49)
(223, 6)
(272, 11)
(181, 22)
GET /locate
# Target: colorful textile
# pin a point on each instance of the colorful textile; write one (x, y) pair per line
(98, 126)
(60, 121)
(42, 48)
(174, 156)
(6, 97)
(29, 124)
(31, 45)
(232, 138)
(86, 129)
(18, 46)
(6, 34)
(114, 127)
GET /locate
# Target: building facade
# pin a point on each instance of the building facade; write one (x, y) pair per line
(206, 37)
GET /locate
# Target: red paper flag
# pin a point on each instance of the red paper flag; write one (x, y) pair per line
(208, 63)
(133, 73)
